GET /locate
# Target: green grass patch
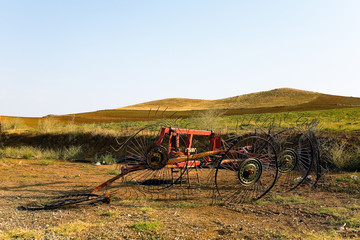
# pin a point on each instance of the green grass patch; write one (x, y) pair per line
(28, 155)
(342, 215)
(146, 209)
(147, 226)
(21, 233)
(260, 202)
(114, 172)
(354, 178)
(71, 229)
(109, 213)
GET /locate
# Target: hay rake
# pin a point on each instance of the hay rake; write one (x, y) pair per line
(169, 160)
(162, 158)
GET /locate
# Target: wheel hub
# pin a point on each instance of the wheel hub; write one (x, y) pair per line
(157, 157)
(287, 161)
(249, 171)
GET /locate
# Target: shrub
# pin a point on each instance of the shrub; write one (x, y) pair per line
(47, 125)
(71, 153)
(209, 120)
(28, 155)
(344, 157)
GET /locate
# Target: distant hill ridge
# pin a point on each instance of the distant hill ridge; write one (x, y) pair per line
(273, 98)
(273, 101)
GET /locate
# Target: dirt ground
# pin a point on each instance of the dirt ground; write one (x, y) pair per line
(306, 213)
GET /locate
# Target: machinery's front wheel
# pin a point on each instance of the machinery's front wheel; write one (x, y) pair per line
(149, 148)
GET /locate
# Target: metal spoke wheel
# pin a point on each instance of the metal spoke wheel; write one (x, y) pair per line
(151, 149)
(295, 160)
(247, 170)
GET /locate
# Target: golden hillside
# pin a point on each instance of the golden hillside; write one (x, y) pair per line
(272, 98)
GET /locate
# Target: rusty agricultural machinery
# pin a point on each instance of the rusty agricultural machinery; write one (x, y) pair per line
(158, 159)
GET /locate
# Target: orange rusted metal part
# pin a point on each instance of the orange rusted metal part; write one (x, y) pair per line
(124, 171)
(194, 156)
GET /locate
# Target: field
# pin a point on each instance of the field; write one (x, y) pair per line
(343, 119)
(277, 101)
(37, 163)
(304, 214)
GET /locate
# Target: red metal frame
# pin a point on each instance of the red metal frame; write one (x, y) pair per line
(215, 140)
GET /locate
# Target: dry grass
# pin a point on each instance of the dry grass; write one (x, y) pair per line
(27, 152)
(70, 229)
(344, 157)
(14, 124)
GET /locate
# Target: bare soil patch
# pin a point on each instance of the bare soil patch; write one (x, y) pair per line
(305, 213)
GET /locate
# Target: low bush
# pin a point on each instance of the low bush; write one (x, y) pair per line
(47, 125)
(344, 157)
(208, 120)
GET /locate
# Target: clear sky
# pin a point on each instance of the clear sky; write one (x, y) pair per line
(71, 56)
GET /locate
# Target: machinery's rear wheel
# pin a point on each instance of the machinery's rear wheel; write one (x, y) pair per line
(247, 171)
(295, 162)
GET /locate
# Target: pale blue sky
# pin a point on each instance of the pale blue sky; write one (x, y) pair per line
(60, 57)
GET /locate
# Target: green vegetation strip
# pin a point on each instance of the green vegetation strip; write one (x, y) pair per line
(146, 226)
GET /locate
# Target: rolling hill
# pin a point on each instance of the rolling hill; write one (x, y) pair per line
(277, 100)
(273, 98)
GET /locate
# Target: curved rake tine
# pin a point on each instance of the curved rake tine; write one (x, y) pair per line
(298, 119)
(164, 113)
(127, 140)
(173, 115)
(157, 111)
(117, 149)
